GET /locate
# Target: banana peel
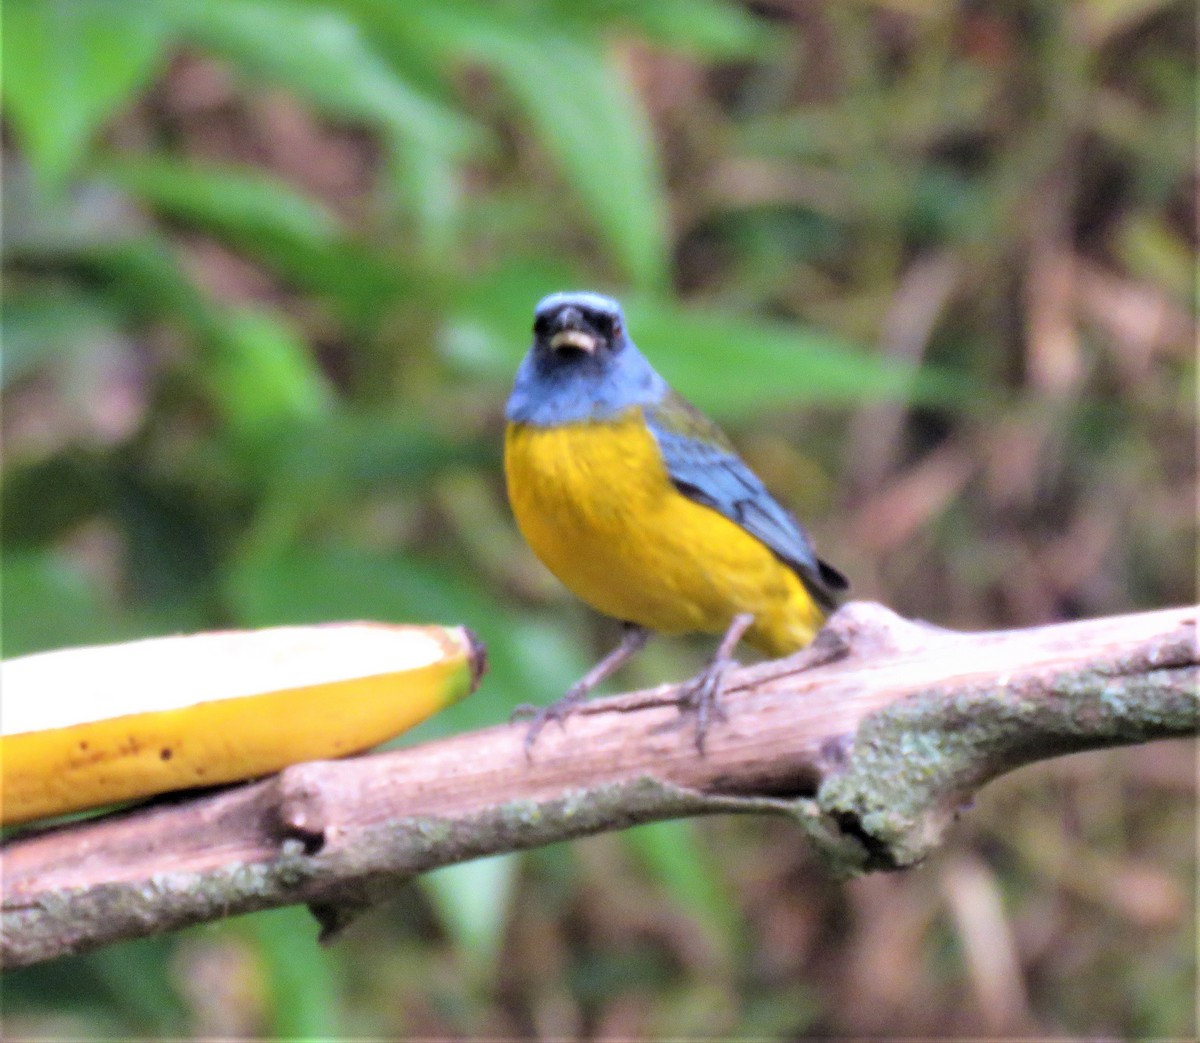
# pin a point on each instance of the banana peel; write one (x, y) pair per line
(86, 727)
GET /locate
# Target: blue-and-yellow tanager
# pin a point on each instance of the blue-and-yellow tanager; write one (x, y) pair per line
(639, 504)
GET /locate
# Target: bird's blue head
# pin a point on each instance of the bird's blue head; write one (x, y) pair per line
(582, 364)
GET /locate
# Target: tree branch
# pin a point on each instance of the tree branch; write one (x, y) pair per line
(873, 739)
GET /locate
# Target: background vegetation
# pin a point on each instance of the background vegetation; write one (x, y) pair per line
(269, 267)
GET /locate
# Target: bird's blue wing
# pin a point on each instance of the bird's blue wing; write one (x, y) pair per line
(704, 466)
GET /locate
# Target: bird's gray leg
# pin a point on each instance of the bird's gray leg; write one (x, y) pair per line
(703, 692)
(633, 640)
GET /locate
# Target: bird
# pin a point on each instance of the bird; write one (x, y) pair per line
(640, 505)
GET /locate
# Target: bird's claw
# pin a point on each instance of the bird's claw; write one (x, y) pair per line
(539, 716)
(702, 696)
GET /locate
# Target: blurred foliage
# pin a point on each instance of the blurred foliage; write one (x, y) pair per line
(268, 269)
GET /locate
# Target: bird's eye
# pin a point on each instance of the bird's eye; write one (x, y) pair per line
(617, 328)
(541, 325)
(604, 323)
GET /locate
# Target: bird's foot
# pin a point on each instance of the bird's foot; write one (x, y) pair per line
(633, 639)
(540, 716)
(702, 694)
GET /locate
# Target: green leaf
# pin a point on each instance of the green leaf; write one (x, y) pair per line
(129, 990)
(472, 899)
(323, 56)
(735, 365)
(587, 115)
(676, 856)
(297, 237)
(264, 376)
(301, 976)
(708, 28)
(145, 280)
(239, 201)
(427, 185)
(582, 109)
(68, 66)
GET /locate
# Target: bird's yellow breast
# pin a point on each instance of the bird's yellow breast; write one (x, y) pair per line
(594, 501)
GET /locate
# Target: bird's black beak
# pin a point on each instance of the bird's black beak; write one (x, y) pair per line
(571, 331)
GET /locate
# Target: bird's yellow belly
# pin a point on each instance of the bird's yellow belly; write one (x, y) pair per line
(595, 503)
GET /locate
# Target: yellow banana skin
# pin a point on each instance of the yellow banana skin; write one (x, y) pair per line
(54, 770)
